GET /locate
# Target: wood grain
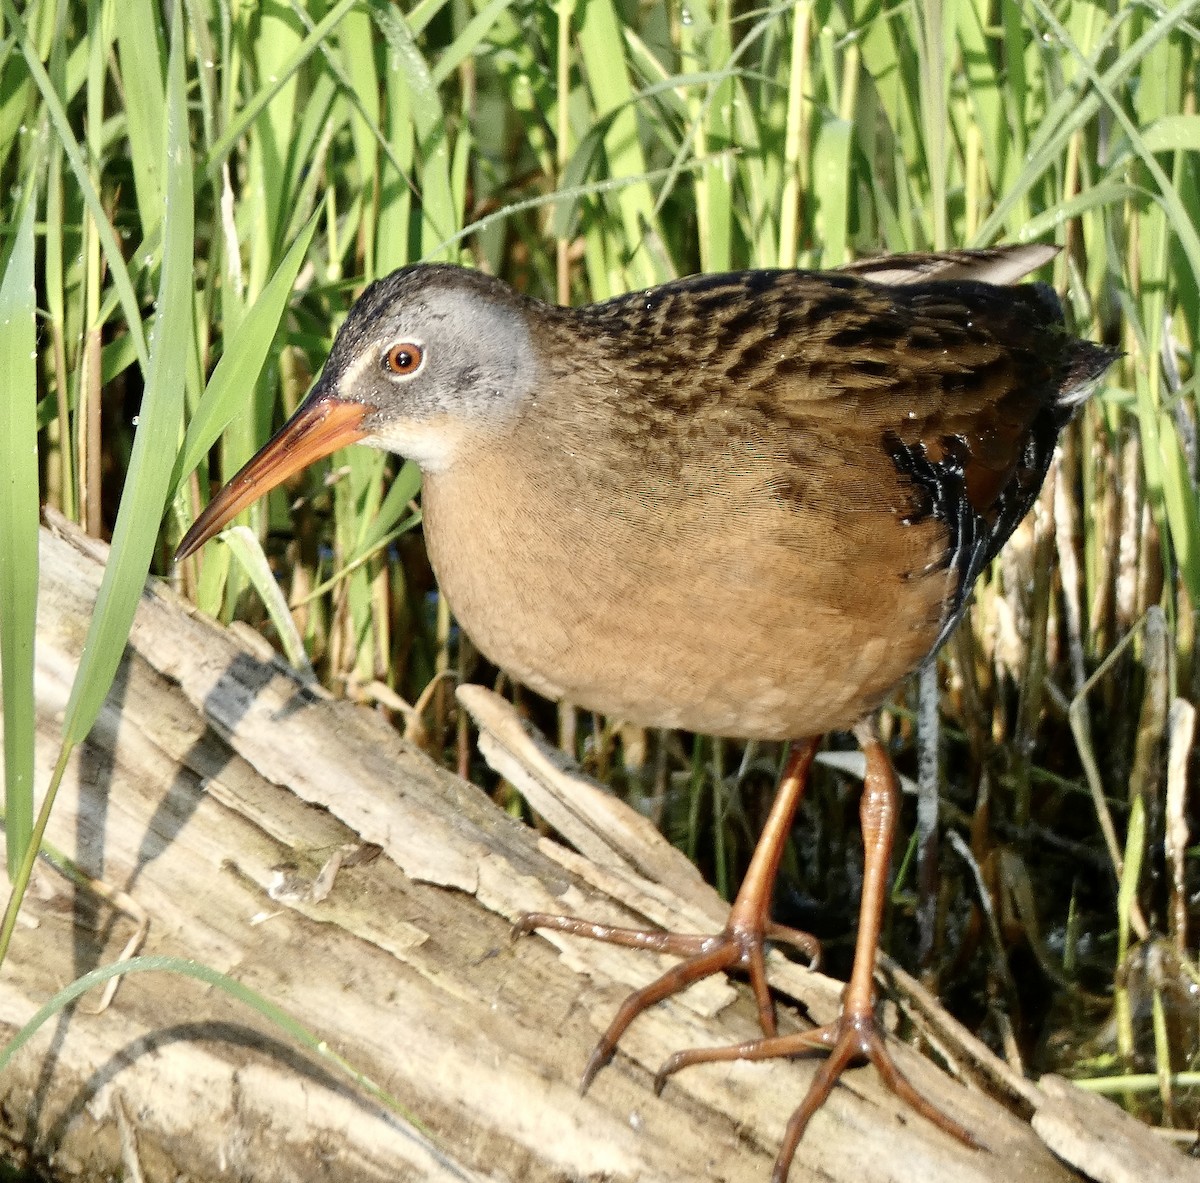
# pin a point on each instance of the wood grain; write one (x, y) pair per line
(213, 791)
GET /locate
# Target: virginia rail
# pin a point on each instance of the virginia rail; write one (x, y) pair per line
(747, 505)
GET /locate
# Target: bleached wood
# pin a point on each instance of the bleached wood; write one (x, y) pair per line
(214, 790)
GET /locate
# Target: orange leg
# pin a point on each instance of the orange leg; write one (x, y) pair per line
(854, 1035)
(742, 944)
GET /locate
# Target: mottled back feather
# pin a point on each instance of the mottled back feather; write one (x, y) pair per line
(776, 490)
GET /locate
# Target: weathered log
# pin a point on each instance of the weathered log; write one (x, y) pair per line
(214, 789)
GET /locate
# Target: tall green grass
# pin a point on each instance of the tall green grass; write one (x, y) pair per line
(210, 186)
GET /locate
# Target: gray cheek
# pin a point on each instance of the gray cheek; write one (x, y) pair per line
(484, 383)
(468, 377)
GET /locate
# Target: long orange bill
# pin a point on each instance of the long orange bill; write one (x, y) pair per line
(320, 426)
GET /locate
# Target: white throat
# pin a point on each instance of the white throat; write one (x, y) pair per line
(433, 443)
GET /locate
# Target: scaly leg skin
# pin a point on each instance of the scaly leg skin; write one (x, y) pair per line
(742, 944)
(854, 1035)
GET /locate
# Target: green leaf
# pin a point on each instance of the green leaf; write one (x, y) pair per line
(158, 428)
(439, 217)
(248, 551)
(114, 256)
(233, 380)
(246, 115)
(1173, 133)
(140, 52)
(18, 529)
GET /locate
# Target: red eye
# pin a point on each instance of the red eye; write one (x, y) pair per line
(404, 358)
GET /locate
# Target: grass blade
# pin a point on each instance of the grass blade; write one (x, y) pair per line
(114, 256)
(246, 549)
(210, 977)
(141, 53)
(250, 112)
(243, 359)
(18, 530)
(158, 429)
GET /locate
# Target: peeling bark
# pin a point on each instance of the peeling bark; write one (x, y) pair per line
(215, 788)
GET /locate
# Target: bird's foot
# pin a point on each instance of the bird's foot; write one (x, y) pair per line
(852, 1038)
(740, 946)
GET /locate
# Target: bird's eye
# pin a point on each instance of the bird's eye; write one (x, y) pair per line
(404, 358)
